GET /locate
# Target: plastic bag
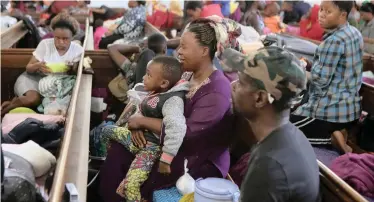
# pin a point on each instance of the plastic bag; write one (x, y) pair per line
(137, 94)
(135, 97)
(185, 184)
(55, 107)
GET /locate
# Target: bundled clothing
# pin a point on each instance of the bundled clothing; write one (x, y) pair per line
(56, 90)
(310, 28)
(169, 107)
(357, 170)
(35, 130)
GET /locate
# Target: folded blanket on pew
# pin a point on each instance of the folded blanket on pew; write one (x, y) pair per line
(357, 170)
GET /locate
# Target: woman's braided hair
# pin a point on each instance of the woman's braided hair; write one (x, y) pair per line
(64, 20)
(205, 34)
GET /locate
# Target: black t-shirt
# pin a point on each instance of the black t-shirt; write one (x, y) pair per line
(283, 167)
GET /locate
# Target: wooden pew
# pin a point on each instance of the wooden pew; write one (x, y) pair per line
(81, 18)
(12, 35)
(72, 166)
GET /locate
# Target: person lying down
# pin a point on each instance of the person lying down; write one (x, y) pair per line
(166, 101)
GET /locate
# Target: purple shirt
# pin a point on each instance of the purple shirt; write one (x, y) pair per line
(209, 122)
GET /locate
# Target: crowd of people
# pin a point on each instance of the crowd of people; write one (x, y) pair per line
(201, 87)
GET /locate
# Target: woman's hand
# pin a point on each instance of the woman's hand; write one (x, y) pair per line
(39, 66)
(164, 168)
(135, 121)
(137, 137)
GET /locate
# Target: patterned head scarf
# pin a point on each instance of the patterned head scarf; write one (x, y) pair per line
(227, 31)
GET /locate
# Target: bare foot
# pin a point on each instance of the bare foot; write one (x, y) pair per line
(339, 141)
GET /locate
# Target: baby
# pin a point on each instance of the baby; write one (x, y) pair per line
(166, 101)
(272, 20)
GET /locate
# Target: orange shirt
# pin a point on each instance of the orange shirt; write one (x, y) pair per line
(273, 23)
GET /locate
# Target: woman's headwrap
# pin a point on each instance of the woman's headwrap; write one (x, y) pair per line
(227, 31)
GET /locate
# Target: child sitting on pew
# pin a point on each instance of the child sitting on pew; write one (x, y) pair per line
(166, 101)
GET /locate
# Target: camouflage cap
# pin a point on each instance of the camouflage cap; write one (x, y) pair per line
(273, 69)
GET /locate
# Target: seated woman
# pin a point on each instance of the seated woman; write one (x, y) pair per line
(208, 119)
(56, 50)
(130, 27)
(310, 27)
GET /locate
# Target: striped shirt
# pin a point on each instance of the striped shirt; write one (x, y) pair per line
(336, 77)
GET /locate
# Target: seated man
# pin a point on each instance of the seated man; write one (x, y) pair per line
(282, 165)
(334, 101)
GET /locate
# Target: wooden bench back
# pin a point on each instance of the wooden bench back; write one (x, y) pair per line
(12, 35)
(81, 18)
(72, 164)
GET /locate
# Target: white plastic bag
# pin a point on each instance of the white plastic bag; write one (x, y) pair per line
(137, 94)
(186, 184)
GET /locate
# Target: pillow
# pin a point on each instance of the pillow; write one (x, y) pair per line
(40, 159)
(12, 120)
(22, 110)
(59, 67)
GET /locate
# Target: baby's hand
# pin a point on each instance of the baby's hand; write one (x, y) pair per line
(164, 168)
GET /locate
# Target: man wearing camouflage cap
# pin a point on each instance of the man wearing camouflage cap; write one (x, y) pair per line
(283, 165)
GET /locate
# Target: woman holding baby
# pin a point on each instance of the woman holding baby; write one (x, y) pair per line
(57, 50)
(208, 120)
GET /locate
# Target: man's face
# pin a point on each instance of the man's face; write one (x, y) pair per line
(243, 96)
